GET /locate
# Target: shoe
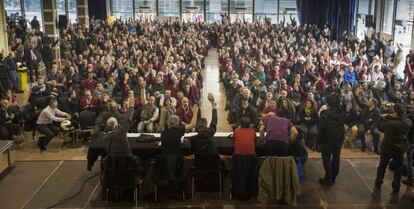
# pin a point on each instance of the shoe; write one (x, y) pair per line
(323, 181)
(408, 182)
(395, 192)
(377, 187)
(362, 149)
(377, 152)
(41, 147)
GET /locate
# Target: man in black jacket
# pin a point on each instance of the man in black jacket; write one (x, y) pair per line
(372, 120)
(202, 143)
(330, 138)
(7, 127)
(395, 127)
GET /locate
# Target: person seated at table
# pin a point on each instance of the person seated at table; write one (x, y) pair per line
(45, 123)
(149, 114)
(171, 137)
(202, 143)
(167, 110)
(103, 117)
(244, 138)
(279, 132)
(115, 137)
(7, 127)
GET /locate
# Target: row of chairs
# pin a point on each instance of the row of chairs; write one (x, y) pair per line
(167, 170)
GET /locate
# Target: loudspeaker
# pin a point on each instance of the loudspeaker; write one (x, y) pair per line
(369, 21)
(63, 21)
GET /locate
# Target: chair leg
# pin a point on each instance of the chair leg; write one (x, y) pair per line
(183, 194)
(136, 197)
(220, 183)
(155, 193)
(107, 195)
(192, 188)
(140, 191)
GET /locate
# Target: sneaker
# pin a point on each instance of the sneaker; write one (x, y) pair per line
(323, 181)
(41, 147)
(395, 192)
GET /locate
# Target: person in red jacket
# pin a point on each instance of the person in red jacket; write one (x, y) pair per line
(89, 83)
(88, 102)
(244, 138)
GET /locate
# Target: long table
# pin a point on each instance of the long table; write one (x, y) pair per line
(148, 150)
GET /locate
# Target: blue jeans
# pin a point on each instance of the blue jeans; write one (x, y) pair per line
(14, 78)
(331, 160)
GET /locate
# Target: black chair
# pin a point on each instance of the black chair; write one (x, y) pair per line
(206, 165)
(169, 171)
(86, 123)
(120, 173)
(244, 174)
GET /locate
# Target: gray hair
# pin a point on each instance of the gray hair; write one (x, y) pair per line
(111, 123)
(173, 121)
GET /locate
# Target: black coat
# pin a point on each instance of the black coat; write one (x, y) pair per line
(203, 143)
(171, 141)
(395, 134)
(331, 127)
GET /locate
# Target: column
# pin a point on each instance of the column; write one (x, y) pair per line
(4, 48)
(82, 12)
(49, 14)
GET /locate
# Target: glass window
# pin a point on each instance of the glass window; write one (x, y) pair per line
(216, 8)
(404, 25)
(33, 8)
(12, 6)
(169, 8)
(60, 7)
(388, 15)
(145, 9)
(266, 9)
(287, 8)
(72, 11)
(363, 7)
(193, 10)
(122, 9)
(241, 10)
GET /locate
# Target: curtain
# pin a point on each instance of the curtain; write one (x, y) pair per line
(97, 9)
(338, 14)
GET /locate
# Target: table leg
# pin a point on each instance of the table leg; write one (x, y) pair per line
(9, 156)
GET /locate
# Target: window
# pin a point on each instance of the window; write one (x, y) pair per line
(33, 8)
(388, 16)
(404, 25)
(241, 10)
(363, 8)
(266, 9)
(60, 7)
(287, 8)
(169, 8)
(193, 10)
(12, 7)
(215, 8)
(72, 11)
(122, 9)
(145, 9)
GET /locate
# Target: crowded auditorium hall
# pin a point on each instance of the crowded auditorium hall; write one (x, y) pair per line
(206, 104)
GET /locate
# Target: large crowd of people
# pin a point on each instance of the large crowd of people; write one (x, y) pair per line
(150, 72)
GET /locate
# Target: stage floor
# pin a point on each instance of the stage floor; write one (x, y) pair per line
(40, 184)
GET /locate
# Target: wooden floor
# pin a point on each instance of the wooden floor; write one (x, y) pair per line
(27, 152)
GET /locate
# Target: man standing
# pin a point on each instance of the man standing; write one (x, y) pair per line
(330, 138)
(395, 127)
(45, 123)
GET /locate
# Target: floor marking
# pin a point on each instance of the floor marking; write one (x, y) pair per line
(40, 187)
(93, 192)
